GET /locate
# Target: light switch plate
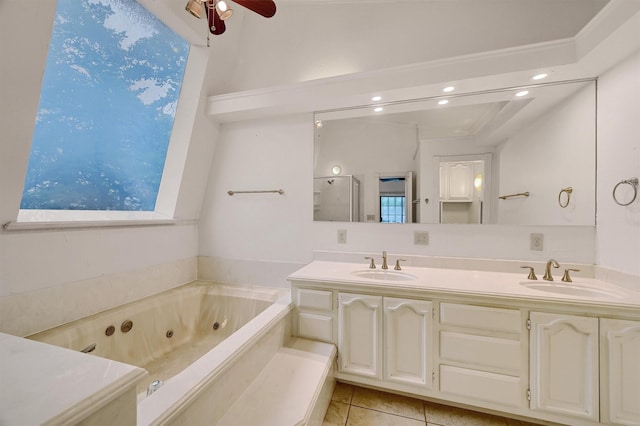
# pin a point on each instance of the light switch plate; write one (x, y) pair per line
(342, 236)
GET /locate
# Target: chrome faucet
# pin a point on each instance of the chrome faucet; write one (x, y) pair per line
(547, 270)
(384, 260)
(154, 386)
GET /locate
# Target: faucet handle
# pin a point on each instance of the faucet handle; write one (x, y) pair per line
(532, 273)
(372, 265)
(566, 277)
(397, 267)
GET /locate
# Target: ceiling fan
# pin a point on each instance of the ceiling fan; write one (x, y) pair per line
(217, 11)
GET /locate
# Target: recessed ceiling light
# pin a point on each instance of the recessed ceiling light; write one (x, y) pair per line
(376, 98)
(522, 93)
(443, 102)
(539, 76)
(318, 124)
(378, 109)
(448, 89)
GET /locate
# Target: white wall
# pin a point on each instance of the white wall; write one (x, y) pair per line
(555, 152)
(618, 228)
(258, 230)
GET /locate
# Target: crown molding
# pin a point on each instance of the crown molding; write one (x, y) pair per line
(598, 46)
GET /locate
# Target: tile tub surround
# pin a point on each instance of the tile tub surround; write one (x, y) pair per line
(356, 406)
(22, 314)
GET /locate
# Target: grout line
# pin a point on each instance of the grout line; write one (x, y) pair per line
(385, 412)
(346, 419)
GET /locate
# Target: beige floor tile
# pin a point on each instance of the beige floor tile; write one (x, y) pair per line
(451, 416)
(514, 422)
(359, 416)
(342, 393)
(336, 414)
(388, 403)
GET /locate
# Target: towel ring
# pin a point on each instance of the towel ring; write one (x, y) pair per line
(568, 191)
(634, 184)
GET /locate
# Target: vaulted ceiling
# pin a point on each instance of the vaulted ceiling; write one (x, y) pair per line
(314, 39)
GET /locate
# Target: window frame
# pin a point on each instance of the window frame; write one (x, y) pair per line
(179, 142)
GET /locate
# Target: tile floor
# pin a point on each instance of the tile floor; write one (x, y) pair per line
(356, 406)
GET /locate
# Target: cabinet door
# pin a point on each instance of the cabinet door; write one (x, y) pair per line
(564, 365)
(459, 182)
(359, 334)
(620, 345)
(408, 329)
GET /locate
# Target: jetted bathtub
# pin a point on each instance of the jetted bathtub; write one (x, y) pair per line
(204, 341)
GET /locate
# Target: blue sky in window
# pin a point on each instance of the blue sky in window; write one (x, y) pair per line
(107, 105)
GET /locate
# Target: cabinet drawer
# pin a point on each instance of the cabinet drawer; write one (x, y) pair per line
(480, 317)
(481, 351)
(481, 385)
(319, 300)
(318, 327)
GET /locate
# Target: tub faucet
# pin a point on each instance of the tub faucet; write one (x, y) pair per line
(384, 260)
(154, 386)
(547, 270)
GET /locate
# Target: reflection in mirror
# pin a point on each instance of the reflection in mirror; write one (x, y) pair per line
(336, 199)
(394, 198)
(462, 191)
(428, 162)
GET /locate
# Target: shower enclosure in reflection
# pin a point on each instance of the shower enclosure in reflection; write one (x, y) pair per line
(336, 198)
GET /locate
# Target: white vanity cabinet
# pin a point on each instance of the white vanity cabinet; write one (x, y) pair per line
(359, 334)
(482, 356)
(386, 338)
(408, 337)
(620, 371)
(564, 365)
(314, 317)
(561, 360)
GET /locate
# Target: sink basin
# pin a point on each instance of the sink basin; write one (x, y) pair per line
(385, 275)
(573, 289)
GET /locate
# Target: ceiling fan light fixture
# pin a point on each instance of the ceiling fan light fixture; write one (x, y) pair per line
(223, 9)
(194, 7)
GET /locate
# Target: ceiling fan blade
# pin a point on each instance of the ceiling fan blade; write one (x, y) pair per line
(266, 8)
(216, 25)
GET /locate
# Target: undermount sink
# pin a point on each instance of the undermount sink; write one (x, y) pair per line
(573, 289)
(384, 275)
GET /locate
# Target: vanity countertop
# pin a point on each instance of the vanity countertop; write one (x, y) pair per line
(46, 384)
(585, 291)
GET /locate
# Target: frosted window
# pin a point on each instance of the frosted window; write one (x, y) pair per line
(107, 104)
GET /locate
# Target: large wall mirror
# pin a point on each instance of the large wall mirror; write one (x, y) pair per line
(524, 156)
